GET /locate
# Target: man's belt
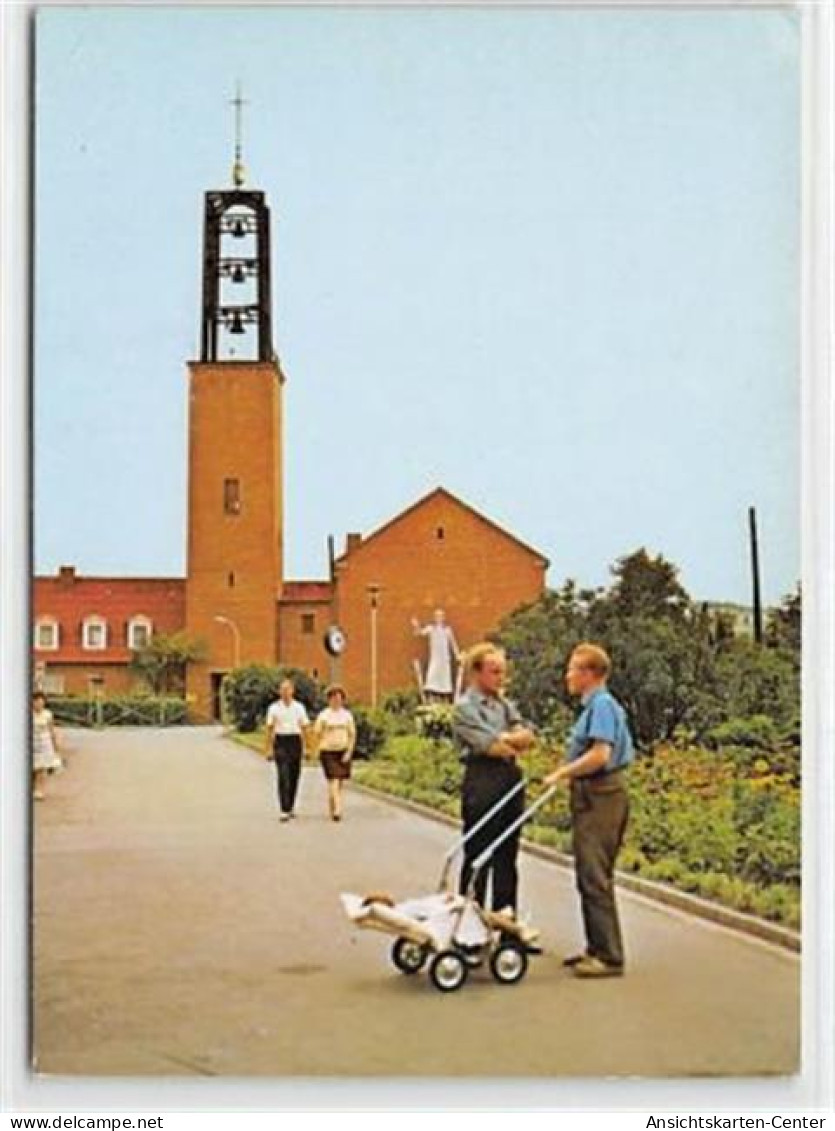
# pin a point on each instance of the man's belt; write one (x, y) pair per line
(612, 779)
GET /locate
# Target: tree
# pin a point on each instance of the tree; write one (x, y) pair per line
(538, 639)
(671, 669)
(163, 661)
(784, 625)
(759, 681)
(647, 585)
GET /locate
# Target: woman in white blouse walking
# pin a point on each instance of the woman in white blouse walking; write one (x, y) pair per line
(336, 737)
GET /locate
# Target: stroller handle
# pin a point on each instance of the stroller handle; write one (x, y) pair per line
(483, 859)
(457, 845)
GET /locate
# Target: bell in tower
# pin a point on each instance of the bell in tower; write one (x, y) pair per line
(236, 319)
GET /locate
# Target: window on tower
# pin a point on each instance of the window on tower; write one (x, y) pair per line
(231, 496)
(308, 623)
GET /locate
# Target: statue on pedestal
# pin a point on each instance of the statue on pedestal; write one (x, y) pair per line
(438, 684)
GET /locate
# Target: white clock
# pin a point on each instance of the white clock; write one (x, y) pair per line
(335, 640)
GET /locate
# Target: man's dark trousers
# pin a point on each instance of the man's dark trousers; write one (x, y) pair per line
(486, 779)
(599, 812)
(287, 751)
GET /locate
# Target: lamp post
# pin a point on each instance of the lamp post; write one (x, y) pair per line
(236, 639)
(374, 599)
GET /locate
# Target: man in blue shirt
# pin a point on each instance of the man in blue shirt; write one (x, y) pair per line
(599, 750)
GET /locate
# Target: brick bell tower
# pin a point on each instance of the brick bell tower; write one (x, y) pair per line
(235, 507)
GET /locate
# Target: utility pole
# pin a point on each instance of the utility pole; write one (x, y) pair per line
(755, 576)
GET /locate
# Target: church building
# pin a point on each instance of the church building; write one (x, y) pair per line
(355, 623)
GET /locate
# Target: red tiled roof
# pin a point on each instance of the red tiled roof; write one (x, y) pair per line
(306, 591)
(69, 599)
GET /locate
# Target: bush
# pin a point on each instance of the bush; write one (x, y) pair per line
(72, 711)
(768, 819)
(372, 730)
(434, 720)
(409, 766)
(249, 690)
(404, 701)
(758, 732)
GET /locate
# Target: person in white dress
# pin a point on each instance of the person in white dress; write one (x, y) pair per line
(45, 745)
(439, 682)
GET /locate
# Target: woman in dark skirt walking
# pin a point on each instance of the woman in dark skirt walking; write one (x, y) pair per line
(336, 737)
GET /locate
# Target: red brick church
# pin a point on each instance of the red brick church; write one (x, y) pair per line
(438, 553)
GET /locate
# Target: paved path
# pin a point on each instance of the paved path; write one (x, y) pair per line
(180, 929)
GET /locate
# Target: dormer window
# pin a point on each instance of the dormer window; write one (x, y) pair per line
(94, 634)
(47, 634)
(140, 631)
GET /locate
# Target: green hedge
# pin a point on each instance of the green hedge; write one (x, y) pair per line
(119, 710)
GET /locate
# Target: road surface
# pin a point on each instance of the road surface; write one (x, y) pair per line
(181, 929)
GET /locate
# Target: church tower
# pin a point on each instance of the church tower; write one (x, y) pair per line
(235, 507)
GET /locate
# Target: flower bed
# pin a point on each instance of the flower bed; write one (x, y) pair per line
(696, 822)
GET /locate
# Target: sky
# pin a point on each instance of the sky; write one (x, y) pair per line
(546, 258)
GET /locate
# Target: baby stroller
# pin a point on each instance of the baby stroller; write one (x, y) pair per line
(450, 931)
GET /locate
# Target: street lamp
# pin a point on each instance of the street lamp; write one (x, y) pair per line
(236, 639)
(374, 590)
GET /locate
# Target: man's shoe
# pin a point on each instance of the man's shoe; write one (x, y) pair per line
(284, 816)
(573, 959)
(591, 967)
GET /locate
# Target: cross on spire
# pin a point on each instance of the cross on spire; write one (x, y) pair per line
(238, 171)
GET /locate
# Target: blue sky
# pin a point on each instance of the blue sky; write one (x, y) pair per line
(549, 259)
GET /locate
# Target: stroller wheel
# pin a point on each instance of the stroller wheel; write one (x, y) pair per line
(448, 971)
(508, 964)
(409, 957)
